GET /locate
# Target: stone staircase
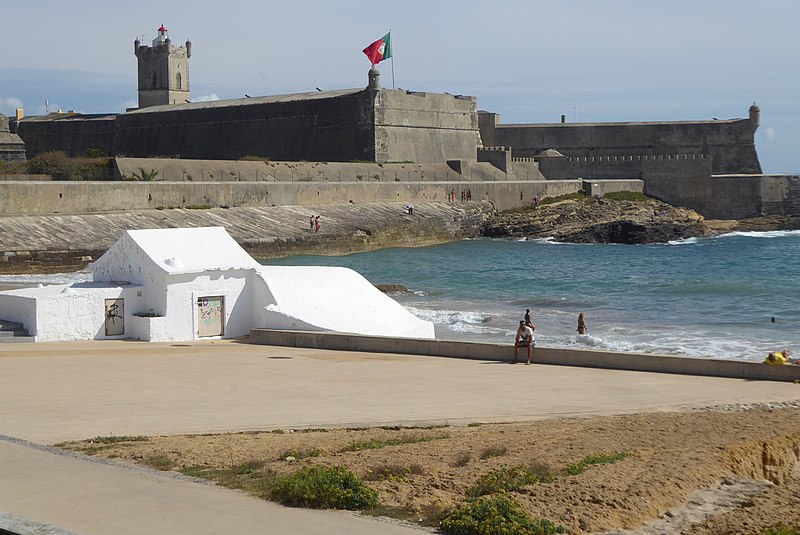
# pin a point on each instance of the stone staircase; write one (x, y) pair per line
(13, 332)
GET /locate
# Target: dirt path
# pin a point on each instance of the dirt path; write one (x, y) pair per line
(703, 460)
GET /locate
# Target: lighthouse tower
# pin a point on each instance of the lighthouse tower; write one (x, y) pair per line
(163, 71)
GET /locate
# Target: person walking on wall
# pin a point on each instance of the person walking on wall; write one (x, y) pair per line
(316, 224)
(311, 223)
(582, 329)
(524, 338)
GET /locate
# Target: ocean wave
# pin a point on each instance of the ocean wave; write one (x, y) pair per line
(683, 241)
(760, 234)
(450, 317)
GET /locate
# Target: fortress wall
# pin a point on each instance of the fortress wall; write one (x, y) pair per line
(181, 170)
(73, 134)
(44, 198)
(780, 195)
(425, 127)
(318, 129)
(621, 166)
(730, 143)
(691, 184)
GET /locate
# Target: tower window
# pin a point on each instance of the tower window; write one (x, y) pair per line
(178, 80)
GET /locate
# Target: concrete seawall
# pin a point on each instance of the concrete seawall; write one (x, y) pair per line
(541, 355)
(57, 197)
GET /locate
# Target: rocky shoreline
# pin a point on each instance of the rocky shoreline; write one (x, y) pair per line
(591, 220)
(59, 243)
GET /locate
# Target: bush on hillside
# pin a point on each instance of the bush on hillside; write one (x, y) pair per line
(61, 167)
(496, 515)
(324, 487)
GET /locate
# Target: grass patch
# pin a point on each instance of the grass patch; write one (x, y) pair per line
(159, 461)
(782, 530)
(503, 479)
(248, 467)
(567, 197)
(497, 515)
(323, 487)
(376, 444)
(198, 207)
(117, 439)
(394, 472)
(474, 424)
(202, 472)
(600, 458)
(462, 460)
(493, 451)
(301, 454)
(627, 196)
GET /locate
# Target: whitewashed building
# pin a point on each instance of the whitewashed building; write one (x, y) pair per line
(198, 283)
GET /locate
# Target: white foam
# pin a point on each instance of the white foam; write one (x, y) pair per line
(764, 234)
(683, 241)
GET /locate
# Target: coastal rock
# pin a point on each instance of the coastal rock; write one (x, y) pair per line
(392, 288)
(599, 221)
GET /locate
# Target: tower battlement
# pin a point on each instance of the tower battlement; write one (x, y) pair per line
(163, 70)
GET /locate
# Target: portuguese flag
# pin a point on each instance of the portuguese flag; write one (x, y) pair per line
(380, 49)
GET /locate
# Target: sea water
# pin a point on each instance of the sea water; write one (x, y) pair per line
(734, 296)
(709, 297)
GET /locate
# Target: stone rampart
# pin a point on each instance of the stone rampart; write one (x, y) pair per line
(617, 166)
(67, 132)
(413, 126)
(730, 143)
(40, 198)
(322, 126)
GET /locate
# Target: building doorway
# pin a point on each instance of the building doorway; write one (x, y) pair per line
(115, 317)
(210, 316)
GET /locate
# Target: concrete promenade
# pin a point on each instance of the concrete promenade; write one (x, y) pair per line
(63, 391)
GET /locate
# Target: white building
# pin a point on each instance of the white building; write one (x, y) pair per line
(198, 283)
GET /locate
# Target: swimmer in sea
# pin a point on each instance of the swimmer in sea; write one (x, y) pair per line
(582, 329)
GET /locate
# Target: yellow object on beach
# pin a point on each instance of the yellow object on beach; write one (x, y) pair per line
(776, 359)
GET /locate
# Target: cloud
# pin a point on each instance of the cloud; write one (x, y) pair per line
(9, 105)
(206, 98)
(769, 134)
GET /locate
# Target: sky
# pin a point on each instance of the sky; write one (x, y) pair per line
(530, 61)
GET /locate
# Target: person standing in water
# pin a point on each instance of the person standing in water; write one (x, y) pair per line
(582, 329)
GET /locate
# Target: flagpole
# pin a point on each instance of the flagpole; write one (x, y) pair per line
(390, 39)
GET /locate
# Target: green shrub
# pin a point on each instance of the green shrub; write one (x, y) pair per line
(61, 167)
(497, 515)
(600, 458)
(159, 461)
(782, 530)
(504, 478)
(324, 487)
(143, 175)
(301, 454)
(394, 472)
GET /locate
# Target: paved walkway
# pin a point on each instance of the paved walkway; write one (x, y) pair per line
(56, 392)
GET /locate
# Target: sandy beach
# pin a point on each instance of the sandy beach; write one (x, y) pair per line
(211, 407)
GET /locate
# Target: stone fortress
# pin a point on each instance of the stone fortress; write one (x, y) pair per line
(374, 145)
